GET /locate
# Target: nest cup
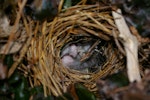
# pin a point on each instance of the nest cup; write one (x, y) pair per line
(46, 68)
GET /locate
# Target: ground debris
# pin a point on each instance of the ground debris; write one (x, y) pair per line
(110, 90)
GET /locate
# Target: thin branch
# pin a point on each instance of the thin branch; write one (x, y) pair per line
(130, 45)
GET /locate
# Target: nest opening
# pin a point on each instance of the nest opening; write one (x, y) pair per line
(84, 53)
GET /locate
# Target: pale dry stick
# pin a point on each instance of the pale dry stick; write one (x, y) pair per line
(131, 47)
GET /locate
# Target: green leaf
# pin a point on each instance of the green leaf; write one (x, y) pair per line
(83, 93)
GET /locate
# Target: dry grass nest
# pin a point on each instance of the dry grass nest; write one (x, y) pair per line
(44, 62)
(43, 55)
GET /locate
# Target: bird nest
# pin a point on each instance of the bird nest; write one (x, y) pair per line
(82, 44)
(75, 25)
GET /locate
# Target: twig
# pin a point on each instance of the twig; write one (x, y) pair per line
(131, 47)
(23, 51)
